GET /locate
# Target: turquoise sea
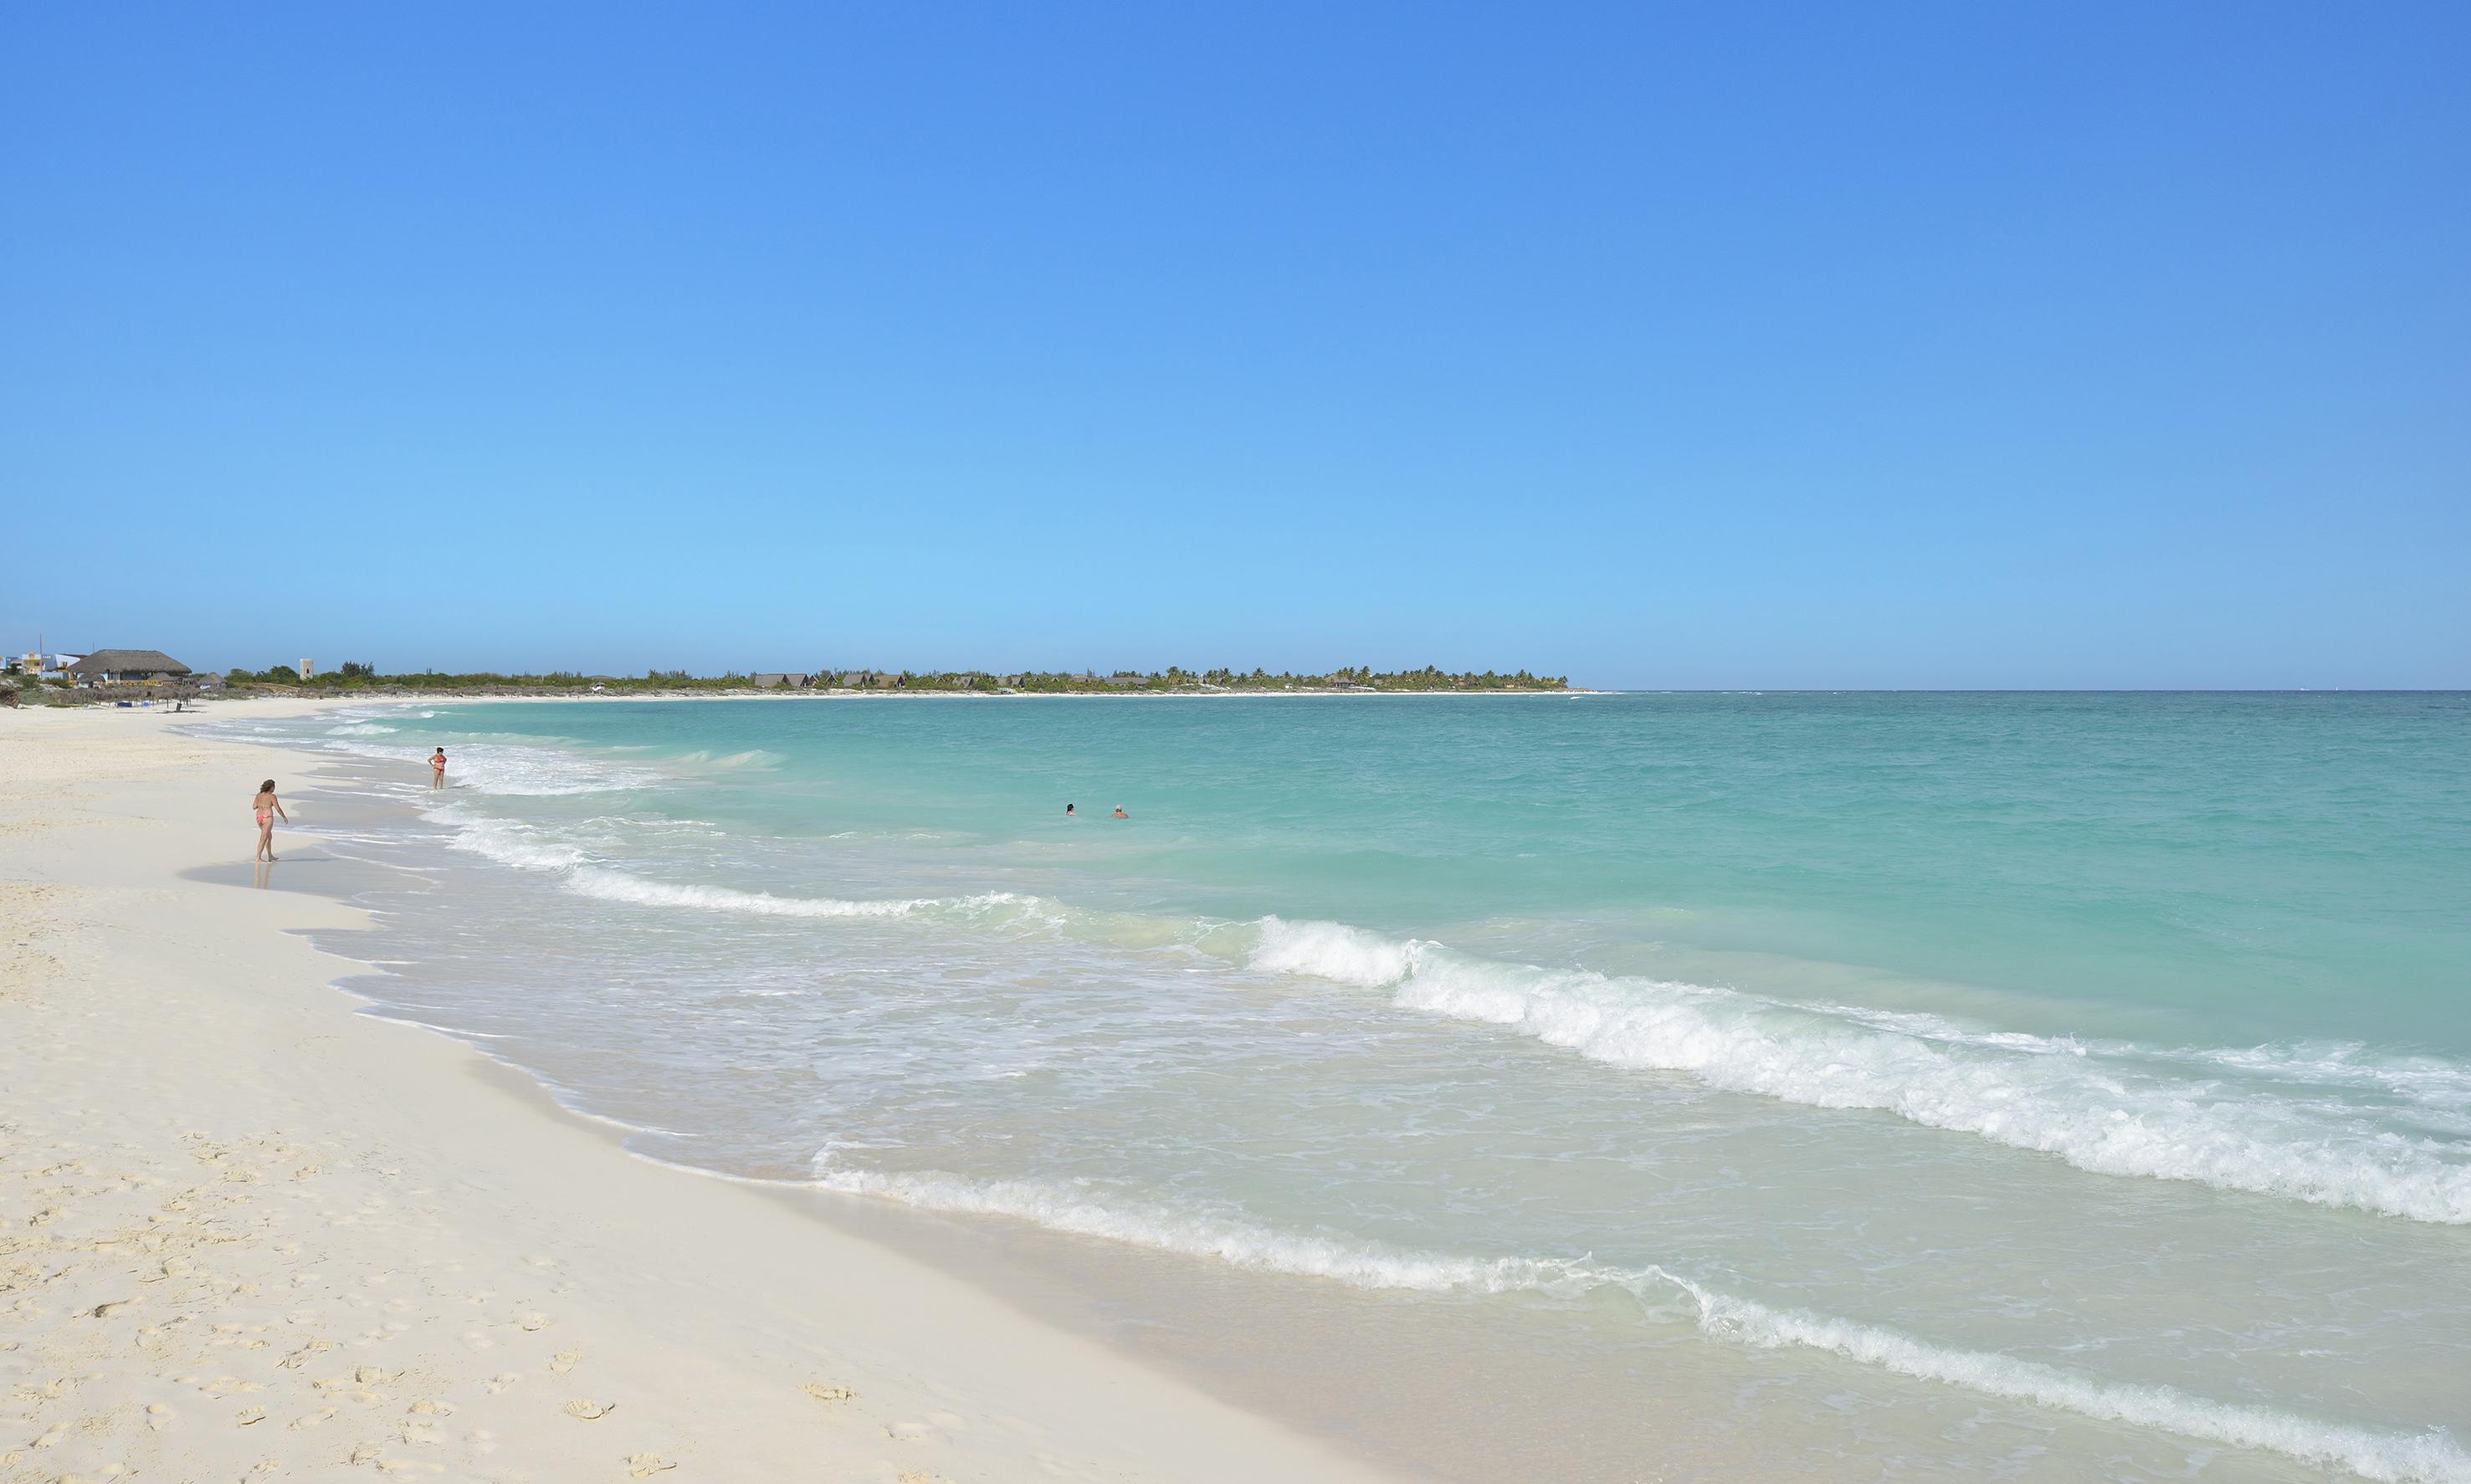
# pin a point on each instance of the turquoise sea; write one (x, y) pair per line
(1879, 1085)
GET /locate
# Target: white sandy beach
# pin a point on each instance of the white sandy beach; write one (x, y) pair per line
(248, 1233)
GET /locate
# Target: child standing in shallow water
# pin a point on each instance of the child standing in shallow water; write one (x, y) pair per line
(268, 806)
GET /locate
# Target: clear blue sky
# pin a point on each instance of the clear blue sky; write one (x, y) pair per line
(1900, 344)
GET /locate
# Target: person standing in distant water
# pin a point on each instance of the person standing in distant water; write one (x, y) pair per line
(1121, 814)
(437, 769)
(268, 807)
(1068, 814)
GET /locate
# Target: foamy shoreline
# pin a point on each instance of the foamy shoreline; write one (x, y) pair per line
(245, 1227)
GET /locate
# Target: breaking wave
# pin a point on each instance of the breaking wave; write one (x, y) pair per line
(2428, 1457)
(511, 844)
(502, 767)
(617, 886)
(751, 757)
(2096, 1109)
(2290, 1128)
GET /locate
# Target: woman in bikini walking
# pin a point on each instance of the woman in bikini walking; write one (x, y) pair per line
(268, 807)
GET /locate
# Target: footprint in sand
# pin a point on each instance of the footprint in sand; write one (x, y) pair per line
(293, 1362)
(158, 1416)
(250, 1416)
(565, 1360)
(823, 1393)
(502, 1380)
(321, 1415)
(535, 1323)
(584, 1409)
(643, 1465)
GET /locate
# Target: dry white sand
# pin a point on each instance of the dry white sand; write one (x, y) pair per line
(246, 1233)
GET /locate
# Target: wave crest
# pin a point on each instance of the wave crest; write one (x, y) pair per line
(2049, 1096)
(2110, 1110)
(2428, 1457)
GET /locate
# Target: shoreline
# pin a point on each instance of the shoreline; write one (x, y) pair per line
(1456, 1388)
(293, 1233)
(784, 693)
(1399, 1388)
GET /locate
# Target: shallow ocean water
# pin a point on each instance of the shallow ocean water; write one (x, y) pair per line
(2055, 1085)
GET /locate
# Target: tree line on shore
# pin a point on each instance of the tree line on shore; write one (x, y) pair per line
(357, 675)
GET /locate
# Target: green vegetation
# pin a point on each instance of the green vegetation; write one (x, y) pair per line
(357, 676)
(1346, 678)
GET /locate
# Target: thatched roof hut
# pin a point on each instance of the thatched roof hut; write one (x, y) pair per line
(128, 664)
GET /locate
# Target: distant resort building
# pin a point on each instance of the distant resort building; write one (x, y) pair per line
(775, 681)
(44, 666)
(127, 667)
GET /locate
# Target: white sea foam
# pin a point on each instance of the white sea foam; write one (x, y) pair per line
(2432, 1456)
(2111, 1108)
(506, 841)
(359, 729)
(2429, 1458)
(503, 767)
(1227, 1240)
(2426, 1081)
(2029, 1093)
(617, 886)
(512, 843)
(751, 757)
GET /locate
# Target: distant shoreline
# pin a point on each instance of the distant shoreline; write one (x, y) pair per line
(785, 693)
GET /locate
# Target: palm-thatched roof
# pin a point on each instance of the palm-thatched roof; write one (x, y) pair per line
(128, 662)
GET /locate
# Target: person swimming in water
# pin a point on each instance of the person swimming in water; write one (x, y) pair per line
(1068, 814)
(437, 769)
(1121, 814)
(268, 807)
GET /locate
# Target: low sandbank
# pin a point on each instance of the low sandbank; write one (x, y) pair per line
(248, 1232)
